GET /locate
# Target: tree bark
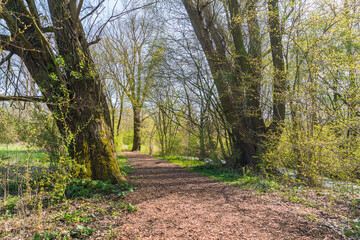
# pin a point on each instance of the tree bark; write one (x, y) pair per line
(137, 130)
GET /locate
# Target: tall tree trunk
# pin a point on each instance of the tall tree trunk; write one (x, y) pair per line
(279, 82)
(94, 143)
(230, 81)
(69, 83)
(237, 76)
(137, 130)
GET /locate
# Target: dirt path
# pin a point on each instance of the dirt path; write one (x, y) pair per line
(178, 204)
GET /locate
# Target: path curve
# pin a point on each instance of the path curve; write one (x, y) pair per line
(177, 204)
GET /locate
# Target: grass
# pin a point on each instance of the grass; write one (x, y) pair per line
(17, 153)
(182, 162)
(125, 167)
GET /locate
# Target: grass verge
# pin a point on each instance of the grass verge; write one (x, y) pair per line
(18, 154)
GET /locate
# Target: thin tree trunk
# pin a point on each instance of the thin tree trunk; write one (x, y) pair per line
(279, 82)
(137, 130)
(120, 114)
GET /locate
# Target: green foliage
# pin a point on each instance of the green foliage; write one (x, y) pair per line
(129, 207)
(46, 236)
(128, 138)
(82, 188)
(125, 167)
(182, 162)
(18, 154)
(10, 203)
(309, 158)
(47, 137)
(353, 230)
(81, 231)
(74, 217)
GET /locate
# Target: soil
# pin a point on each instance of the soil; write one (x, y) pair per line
(177, 204)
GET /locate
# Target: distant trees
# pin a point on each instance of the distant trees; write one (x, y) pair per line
(187, 97)
(130, 54)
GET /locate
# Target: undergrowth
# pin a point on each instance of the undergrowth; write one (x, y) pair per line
(76, 214)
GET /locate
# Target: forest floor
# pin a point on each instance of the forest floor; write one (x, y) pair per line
(177, 204)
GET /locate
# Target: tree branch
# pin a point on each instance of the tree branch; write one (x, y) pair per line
(14, 28)
(92, 11)
(23, 98)
(5, 43)
(7, 58)
(97, 40)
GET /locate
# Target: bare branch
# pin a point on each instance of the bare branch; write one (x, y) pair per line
(11, 23)
(78, 9)
(33, 10)
(23, 98)
(7, 58)
(5, 43)
(92, 11)
(117, 16)
(4, 39)
(97, 40)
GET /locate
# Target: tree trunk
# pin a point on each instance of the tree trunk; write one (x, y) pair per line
(279, 82)
(137, 130)
(237, 76)
(237, 85)
(69, 83)
(94, 146)
(120, 114)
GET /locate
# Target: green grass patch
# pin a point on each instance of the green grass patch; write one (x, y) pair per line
(16, 153)
(74, 217)
(182, 162)
(125, 167)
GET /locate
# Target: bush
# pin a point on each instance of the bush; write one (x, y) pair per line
(309, 157)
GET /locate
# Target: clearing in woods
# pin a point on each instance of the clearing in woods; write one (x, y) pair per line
(178, 204)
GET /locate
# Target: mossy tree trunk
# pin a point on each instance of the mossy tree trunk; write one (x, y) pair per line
(68, 81)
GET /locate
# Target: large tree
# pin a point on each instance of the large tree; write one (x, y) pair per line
(56, 53)
(234, 56)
